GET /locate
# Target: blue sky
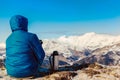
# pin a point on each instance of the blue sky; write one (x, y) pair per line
(54, 18)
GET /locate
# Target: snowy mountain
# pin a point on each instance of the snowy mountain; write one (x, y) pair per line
(90, 47)
(90, 41)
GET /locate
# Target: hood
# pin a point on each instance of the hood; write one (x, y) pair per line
(19, 22)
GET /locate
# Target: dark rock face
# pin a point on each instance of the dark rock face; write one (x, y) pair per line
(1, 63)
(106, 59)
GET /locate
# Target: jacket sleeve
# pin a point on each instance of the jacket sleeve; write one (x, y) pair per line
(37, 48)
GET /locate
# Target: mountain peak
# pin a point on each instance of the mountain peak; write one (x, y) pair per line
(90, 34)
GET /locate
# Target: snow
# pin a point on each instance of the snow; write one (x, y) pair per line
(2, 50)
(2, 45)
(90, 41)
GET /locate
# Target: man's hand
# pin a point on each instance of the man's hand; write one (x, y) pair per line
(41, 42)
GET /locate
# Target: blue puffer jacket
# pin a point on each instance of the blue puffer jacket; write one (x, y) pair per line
(23, 50)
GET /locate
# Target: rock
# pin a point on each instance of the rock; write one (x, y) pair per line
(99, 72)
(64, 75)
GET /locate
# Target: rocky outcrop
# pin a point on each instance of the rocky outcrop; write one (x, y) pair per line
(99, 72)
(109, 58)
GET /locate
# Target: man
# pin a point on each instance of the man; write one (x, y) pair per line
(24, 53)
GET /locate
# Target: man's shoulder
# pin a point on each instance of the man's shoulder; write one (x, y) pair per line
(31, 34)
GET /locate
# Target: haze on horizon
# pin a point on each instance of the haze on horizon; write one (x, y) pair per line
(54, 18)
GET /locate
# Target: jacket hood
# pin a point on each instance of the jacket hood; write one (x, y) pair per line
(19, 22)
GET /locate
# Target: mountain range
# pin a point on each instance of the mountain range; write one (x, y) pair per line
(86, 48)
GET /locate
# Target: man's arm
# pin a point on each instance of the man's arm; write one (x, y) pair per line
(37, 48)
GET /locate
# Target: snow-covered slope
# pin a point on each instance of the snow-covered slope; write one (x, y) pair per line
(90, 40)
(90, 47)
(77, 44)
(2, 48)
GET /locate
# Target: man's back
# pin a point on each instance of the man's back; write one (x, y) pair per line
(23, 52)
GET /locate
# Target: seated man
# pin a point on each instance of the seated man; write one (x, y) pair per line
(24, 53)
